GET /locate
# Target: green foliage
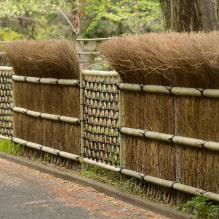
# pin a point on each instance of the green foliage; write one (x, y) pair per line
(113, 18)
(38, 19)
(201, 207)
(9, 147)
(31, 19)
(45, 158)
(13, 8)
(8, 34)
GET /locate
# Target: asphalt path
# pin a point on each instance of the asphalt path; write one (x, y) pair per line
(28, 193)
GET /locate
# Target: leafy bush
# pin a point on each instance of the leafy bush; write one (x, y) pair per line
(201, 207)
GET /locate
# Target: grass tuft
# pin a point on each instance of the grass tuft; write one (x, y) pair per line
(9, 147)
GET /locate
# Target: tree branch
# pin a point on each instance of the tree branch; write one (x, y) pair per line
(76, 31)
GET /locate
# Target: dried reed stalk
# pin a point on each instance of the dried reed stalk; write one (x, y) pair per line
(150, 157)
(198, 117)
(199, 168)
(44, 58)
(63, 162)
(175, 59)
(149, 111)
(53, 99)
(27, 95)
(55, 134)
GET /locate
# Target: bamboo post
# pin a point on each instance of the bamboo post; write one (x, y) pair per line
(13, 104)
(177, 161)
(121, 124)
(81, 55)
(82, 120)
(121, 136)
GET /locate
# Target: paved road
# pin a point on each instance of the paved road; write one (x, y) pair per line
(27, 193)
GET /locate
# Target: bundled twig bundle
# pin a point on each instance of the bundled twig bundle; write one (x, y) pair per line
(175, 59)
(44, 58)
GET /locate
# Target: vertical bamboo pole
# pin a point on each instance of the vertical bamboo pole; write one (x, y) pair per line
(82, 119)
(177, 160)
(82, 56)
(13, 104)
(121, 124)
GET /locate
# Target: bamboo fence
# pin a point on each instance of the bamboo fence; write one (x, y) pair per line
(6, 126)
(47, 111)
(172, 133)
(100, 115)
(166, 137)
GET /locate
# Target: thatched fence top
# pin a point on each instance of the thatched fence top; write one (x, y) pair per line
(44, 58)
(170, 59)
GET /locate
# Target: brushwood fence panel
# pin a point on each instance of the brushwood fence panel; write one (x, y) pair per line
(100, 115)
(198, 117)
(166, 137)
(164, 115)
(50, 100)
(6, 126)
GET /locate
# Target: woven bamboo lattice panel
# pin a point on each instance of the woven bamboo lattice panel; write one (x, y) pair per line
(6, 127)
(101, 114)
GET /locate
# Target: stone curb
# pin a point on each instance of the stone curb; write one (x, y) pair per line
(100, 187)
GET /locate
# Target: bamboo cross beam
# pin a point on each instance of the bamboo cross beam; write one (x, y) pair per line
(5, 68)
(46, 115)
(178, 91)
(38, 80)
(179, 140)
(95, 39)
(46, 149)
(99, 164)
(99, 73)
(88, 53)
(4, 137)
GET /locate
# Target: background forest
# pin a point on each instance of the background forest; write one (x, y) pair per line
(37, 19)
(69, 19)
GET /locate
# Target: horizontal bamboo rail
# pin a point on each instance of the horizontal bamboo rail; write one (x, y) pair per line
(5, 68)
(88, 53)
(3, 42)
(99, 164)
(46, 80)
(46, 115)
(179, 91)
(46, 149)
(4, 137)
(95, 39)
(99, 73)
(191, 142)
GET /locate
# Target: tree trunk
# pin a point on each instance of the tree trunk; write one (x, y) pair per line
(207, 15)
(189, 15)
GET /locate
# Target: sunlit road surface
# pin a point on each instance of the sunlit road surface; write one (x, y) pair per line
(27, 193)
